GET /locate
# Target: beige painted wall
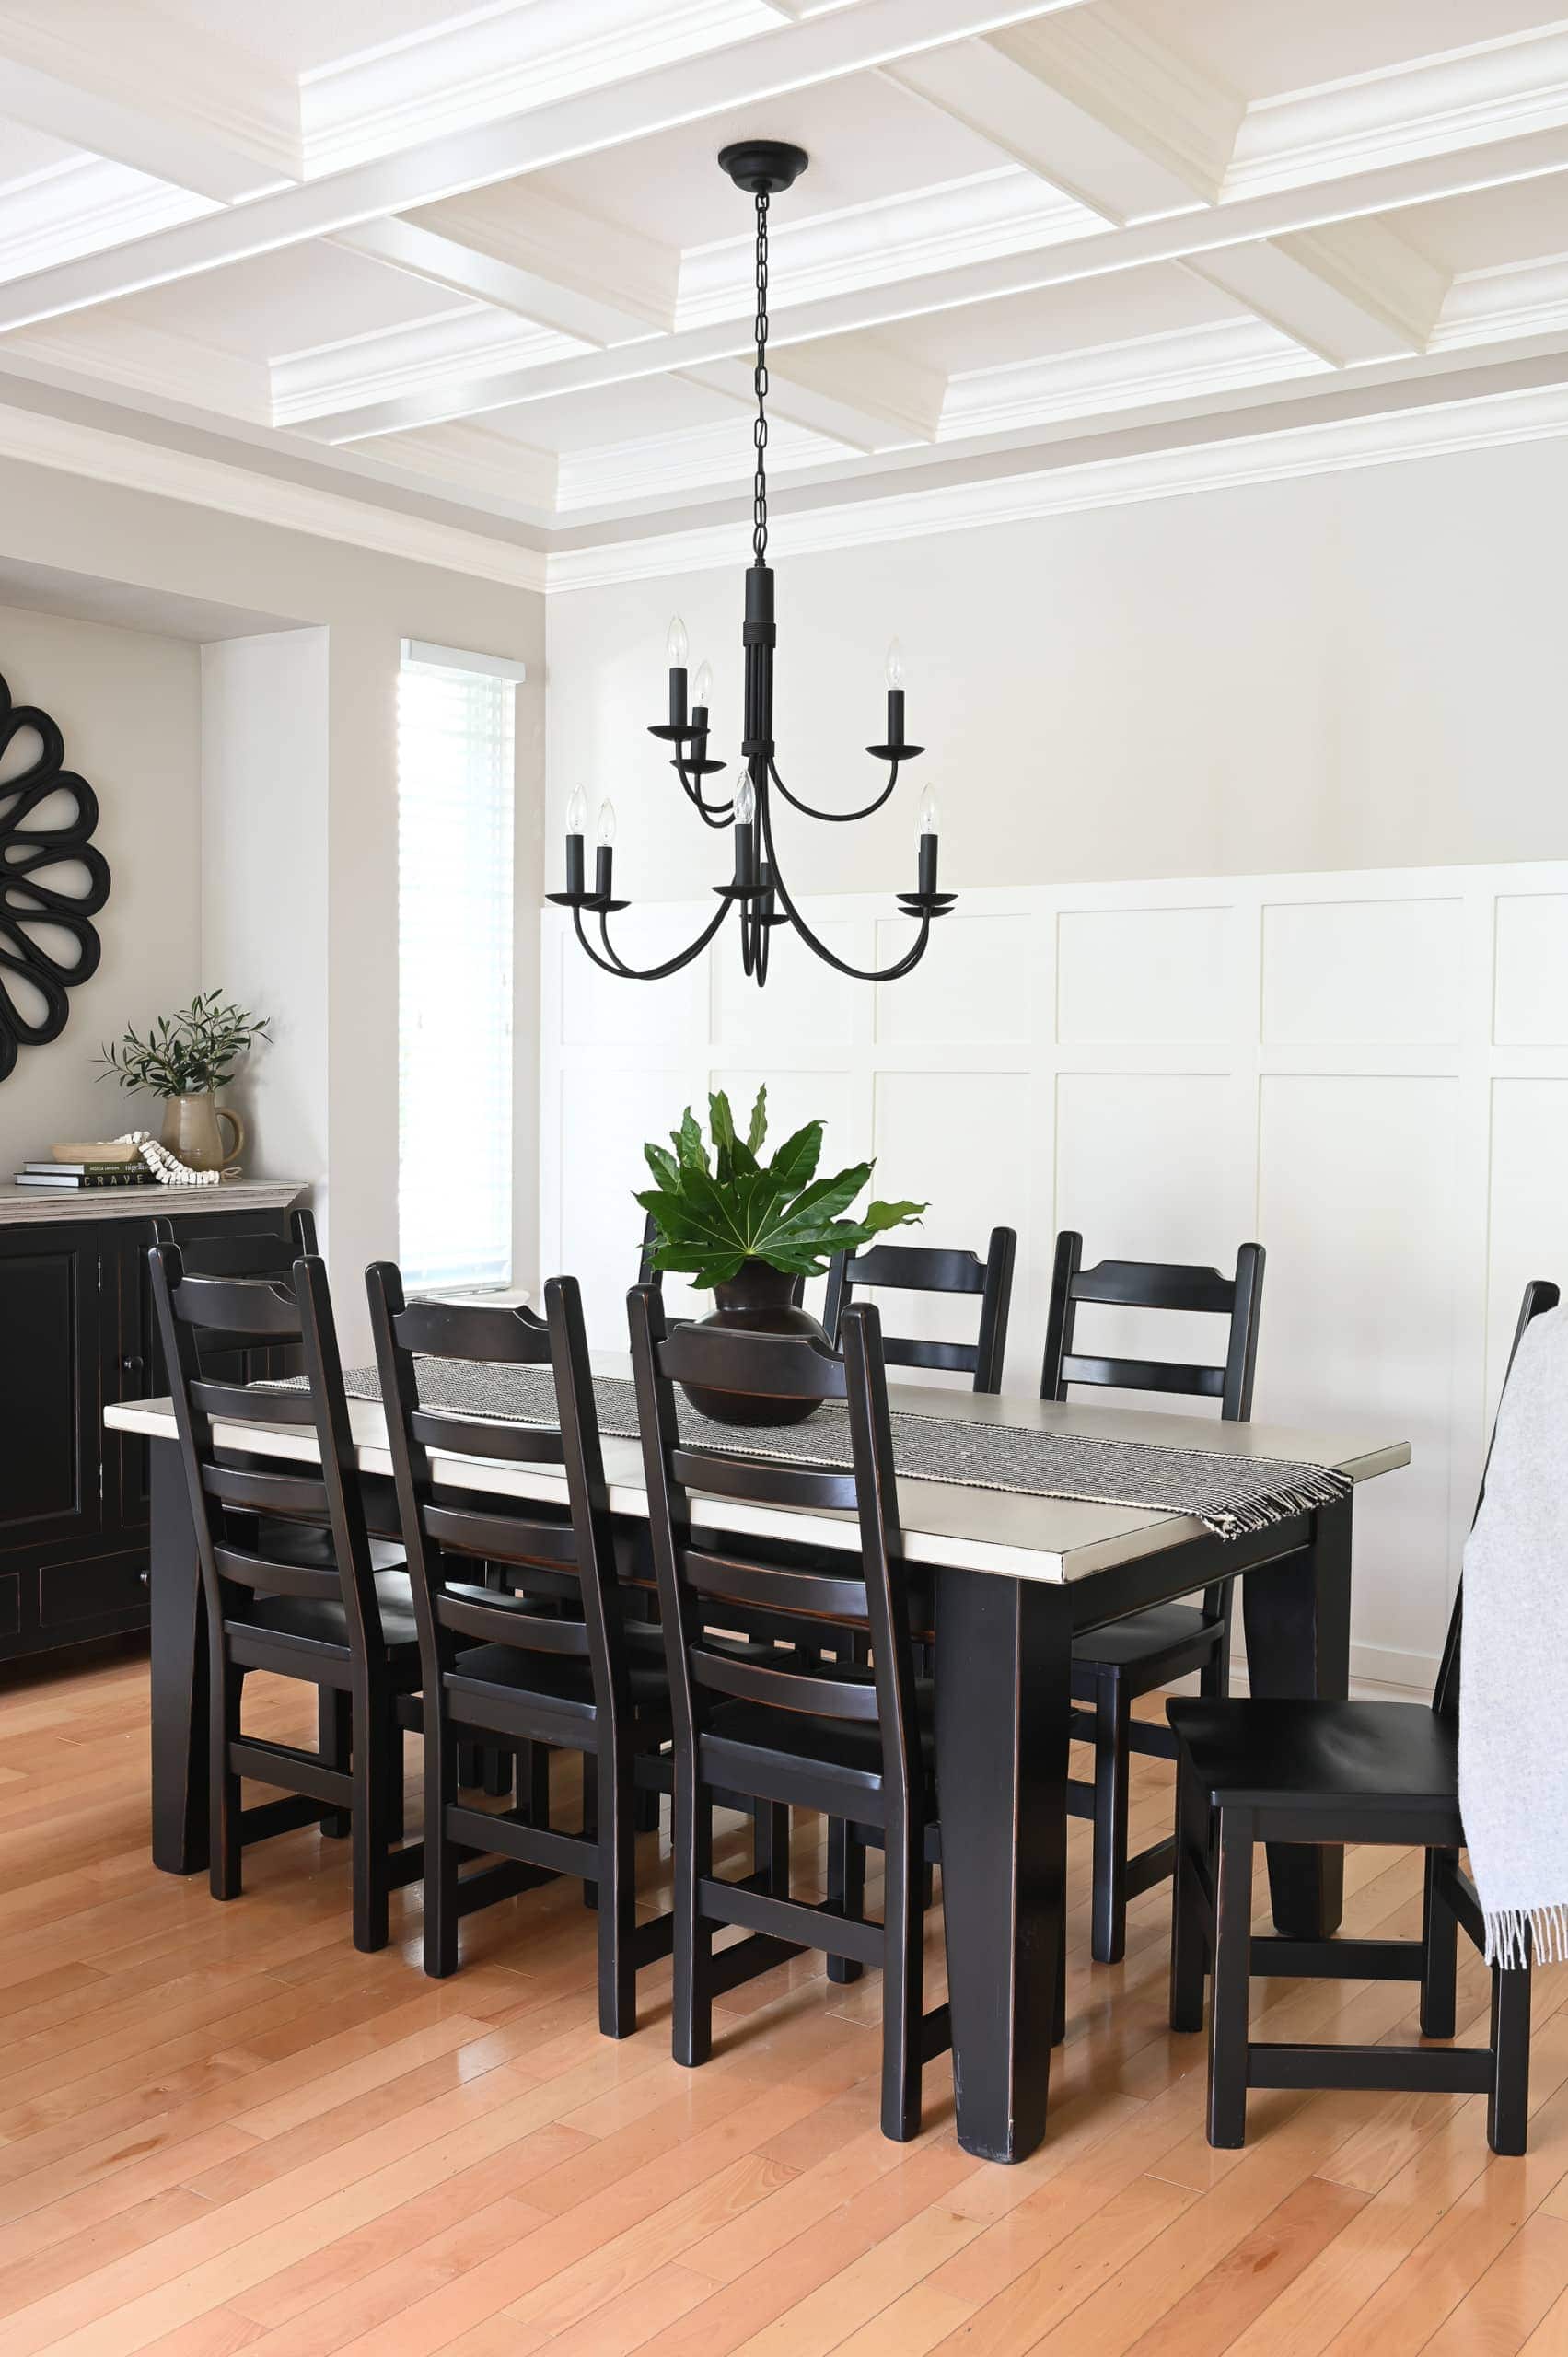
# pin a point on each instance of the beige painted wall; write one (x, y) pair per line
(367, 603)
(129, 705)
(1350, 670)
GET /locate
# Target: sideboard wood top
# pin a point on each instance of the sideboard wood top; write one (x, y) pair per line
(42, 1206)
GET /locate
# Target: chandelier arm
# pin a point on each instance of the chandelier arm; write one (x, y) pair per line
(834, 817)
(713, 814)
(613, 963)
(856, 973)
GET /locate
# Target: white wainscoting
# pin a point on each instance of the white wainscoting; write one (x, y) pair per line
(1366, 1071)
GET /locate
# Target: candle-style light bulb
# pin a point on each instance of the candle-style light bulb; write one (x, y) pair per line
(676, 644)
(745, 802)
(606, 824)
(702, 692)
(928, 812)
(895, 664)
(577, 812)
(926, 880)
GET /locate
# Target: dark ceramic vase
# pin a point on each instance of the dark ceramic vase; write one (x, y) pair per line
(757, 1300)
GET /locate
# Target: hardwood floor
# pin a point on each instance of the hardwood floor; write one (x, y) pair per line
(221, 2129)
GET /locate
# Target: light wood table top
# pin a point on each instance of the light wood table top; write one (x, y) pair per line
(1015, 1536)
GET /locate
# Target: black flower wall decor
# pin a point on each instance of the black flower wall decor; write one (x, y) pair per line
(53, 882)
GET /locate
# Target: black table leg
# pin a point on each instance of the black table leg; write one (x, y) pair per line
(1296, 1614)
(1003, 1686)
(179, 1673)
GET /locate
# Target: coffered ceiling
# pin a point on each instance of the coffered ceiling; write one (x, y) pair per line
(480, 263)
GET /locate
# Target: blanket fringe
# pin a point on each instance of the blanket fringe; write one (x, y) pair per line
(1515, 1936)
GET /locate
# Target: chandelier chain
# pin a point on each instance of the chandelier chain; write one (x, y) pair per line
(760, 385)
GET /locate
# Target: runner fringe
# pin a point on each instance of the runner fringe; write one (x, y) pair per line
(1515, 1936)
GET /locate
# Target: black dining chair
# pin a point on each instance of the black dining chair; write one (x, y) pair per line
(849, 1740)
(919, 1268)
(1330, 1772)
(555, 1665)
(255, 1254)
(1113, 1665)
(344, 1625)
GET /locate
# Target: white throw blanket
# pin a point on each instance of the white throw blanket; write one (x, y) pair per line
(1514, 1662)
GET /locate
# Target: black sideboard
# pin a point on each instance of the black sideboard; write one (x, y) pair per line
(76, 1332)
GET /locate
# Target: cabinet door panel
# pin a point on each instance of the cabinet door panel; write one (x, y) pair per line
(50, 1392)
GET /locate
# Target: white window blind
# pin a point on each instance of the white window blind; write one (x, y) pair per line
(455, 772)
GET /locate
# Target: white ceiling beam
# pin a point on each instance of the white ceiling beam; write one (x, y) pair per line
(166, 98)
(796, 57)
(1185, 237)
(853, 389)
(518, 224)
(443, 261)
(1350, 291)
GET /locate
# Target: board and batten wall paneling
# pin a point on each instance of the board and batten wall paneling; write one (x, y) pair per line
(1365, 1071)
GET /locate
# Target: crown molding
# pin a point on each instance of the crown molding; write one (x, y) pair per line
(79, 207)
(126, 351)
(1522, 298)
(1183, 364)
(36, 439)
(1500, 90)
(504, 63)
(1439, 429)
(390, 363)
(997, 213)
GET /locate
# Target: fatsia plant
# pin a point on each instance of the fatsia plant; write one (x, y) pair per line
(712, 1213)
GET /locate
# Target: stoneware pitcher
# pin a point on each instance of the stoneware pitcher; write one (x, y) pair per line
(192, 1134)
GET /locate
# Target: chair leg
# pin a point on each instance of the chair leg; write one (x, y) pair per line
(534, 1774)
(441, 1859)
(1213, 1678)
(590, 1818)
(334, 1739)
(617, 1894)
(495, 1768)
(225, 1686)
(769, 1845)
(1229, 2000)
(1439, 1971)
(371, 1813)
(1508, 2103)
(691, 2022)
(1189, 1943)
(1113, 1714)
(846, 1887)
(471, 1766)
(394, 1783)
(1059, 2010)
(903, 1983)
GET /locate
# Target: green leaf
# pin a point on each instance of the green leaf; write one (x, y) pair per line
(798, 1157)
(758, 1129)
(663, 1166)
(689, 1150)
(877, 1216)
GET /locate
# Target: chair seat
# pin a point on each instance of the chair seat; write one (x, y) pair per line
(850, 1743)
(564, 1682)
(1291, 1754)
(310, 1547)
(321, 1619)
(1142, 1634)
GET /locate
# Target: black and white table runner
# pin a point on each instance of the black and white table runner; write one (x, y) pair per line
(1231, 1496)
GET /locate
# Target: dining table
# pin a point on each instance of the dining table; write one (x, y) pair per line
(1013, 1577)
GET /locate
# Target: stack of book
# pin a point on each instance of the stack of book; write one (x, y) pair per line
(70, 1175)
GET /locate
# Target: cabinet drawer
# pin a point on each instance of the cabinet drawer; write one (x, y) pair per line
(90, 1591)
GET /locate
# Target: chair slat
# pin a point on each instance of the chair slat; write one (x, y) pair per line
(783, 1690)
(918, 1267)
(319, 1582)
(505, 1539)
(778, 1588)
(497, 1335)
(944, 1358)
(1156, 1285)
(242, 1403)
(260, 1491)
(762, 1367)
(479, 1436)
(496, 1618)
(1145, 1375)
(763, 1480)
(237, 1305)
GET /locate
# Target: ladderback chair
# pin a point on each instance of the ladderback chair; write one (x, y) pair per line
(919, 1268)
(515, 1666)
(344, 1624)
(1114, 1664)
(254, 1255)
(847, 1739)
(1330, 1772)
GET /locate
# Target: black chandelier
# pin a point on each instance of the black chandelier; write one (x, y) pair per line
(758, 890)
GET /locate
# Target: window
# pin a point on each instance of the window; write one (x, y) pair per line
(455, 772)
